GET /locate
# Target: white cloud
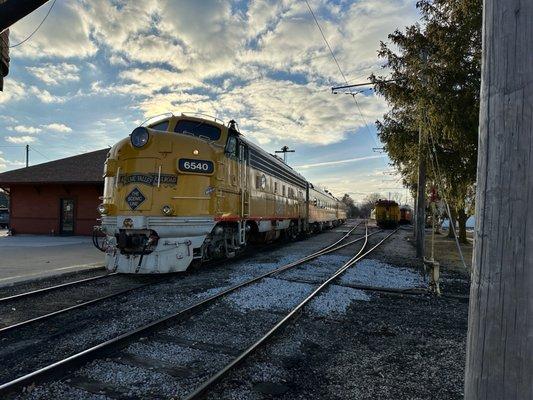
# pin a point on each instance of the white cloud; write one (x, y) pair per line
(263, 63)
(64, 34)
(4, 164)
(13, 91)
(336, 162)
(16, 91)
(9, 119)
(25, 129)
(54, 74)
(20, 139)
(45, 96)
(56, 127)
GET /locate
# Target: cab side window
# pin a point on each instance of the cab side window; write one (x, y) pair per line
(231, 147)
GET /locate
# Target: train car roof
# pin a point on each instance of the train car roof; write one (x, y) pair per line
(384, 202)
(272, 159)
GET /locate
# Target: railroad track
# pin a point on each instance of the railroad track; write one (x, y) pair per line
(30, 303)
(58, 368)
(50, 289)
(13, 300)
(215, 378)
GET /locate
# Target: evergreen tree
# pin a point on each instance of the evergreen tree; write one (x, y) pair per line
(436, 69)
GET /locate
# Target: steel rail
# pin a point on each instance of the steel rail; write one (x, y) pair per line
(9, 328)
(87, 303)
(52, 288)
(215, 378)
(61, 367)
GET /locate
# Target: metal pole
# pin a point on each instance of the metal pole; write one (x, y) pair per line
(421, 203)
(421, 200)
(27, 155)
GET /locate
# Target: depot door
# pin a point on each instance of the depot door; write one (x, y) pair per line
(66, 222)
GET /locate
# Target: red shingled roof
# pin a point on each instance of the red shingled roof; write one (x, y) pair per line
(85, 168)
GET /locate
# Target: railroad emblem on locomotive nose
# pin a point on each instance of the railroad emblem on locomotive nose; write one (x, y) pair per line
(135, 198)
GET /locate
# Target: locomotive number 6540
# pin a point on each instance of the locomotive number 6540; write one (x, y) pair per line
(196, 166)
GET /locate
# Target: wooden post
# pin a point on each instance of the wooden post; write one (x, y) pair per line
(499, 362)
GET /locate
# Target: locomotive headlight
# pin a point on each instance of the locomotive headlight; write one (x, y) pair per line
(102, 209)
(195, 152)
(139, 137)
(167, 210)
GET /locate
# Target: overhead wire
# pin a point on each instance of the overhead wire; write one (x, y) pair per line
(38, 26)
(37, 151)
(340, 70)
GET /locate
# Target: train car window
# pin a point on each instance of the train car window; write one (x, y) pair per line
(200, 129)
(260, 182)
(161, 126)
(231, 147)
(275, 187)
(283, 190)
(243, 152)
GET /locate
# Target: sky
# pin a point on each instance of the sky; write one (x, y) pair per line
(97, 69)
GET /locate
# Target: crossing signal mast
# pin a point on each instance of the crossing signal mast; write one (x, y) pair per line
(285, 150)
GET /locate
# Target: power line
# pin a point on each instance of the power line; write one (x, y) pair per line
(436, 170)
(340, 70)
(38, 26)
(37, 151)
(326, 40)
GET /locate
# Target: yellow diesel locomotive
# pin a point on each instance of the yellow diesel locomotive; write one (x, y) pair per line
(387, 213)
(190, 189)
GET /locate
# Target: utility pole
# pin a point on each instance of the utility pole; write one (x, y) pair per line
(285, 150)
(499, 358)
(10, 12)
(13, 10)
(421, 194)
(27, 155)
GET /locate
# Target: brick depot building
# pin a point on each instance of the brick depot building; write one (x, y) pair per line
(58, 197)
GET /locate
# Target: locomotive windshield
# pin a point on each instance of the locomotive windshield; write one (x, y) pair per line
(160, 126)
(199, 129)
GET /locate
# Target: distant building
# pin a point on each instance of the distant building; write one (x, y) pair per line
(58, 197)
(4, 199)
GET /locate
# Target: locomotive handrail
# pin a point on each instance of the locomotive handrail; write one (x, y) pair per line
(170, 114)
(193, 113)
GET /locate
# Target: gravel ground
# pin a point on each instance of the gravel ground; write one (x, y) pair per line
(22, 351)
(346, 343)
(386, 347)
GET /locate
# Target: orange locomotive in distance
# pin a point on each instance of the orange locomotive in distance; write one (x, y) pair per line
(189, 189)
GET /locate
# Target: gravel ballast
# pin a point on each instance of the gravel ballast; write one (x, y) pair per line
(345, 343)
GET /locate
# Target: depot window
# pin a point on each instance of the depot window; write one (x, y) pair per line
(197, 128)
